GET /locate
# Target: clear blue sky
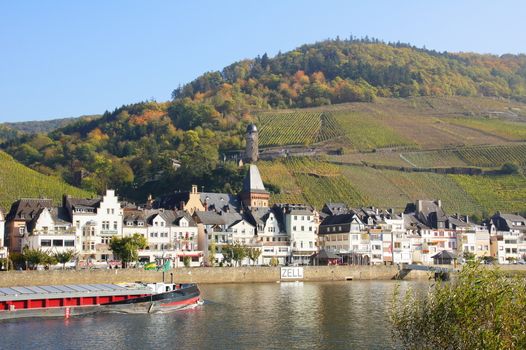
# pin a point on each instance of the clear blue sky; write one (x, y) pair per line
(61, 58)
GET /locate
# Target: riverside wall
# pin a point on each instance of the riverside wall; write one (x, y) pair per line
(202, 275)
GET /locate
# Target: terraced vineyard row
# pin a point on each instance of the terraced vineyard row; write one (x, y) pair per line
(302, 180)
(504, 192)
(17, 181)
(390, 188)
(296, 128)
(479, 156)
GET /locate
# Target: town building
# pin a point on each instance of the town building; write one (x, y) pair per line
(95, 222)
(51, 231)
(507, 232)
(301, 226)
(254, 193)
(21, 213)
(171, 234)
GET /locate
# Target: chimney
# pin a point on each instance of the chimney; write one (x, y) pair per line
(181, 205)
(206, 205)
(439, 203)
(194, 189)
(419, 206)
(467, 219)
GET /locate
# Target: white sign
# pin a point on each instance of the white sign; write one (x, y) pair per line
(291, 273)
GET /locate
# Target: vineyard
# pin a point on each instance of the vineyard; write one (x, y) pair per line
(505, 193)
(365, 132)
(16, 181)
(302, 180)
(389, 188)
(479, 156)
(509, 130)
(296, 128)
(306, 181)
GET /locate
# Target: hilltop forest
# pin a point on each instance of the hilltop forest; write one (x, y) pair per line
(135, 147)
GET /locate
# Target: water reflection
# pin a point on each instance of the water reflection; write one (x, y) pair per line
(336, 315)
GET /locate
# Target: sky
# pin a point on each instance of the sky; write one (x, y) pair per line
(63, 58)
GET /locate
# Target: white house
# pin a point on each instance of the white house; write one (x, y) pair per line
(170, 235)
(301, 228)
(271, 235)
(95, 222)
(51, 232)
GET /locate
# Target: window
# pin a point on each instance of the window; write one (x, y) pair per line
(77, 223)
(107, 211)
(310, 244)
(22, 230)
(294, 228)
(302, 228)
(140, 223)
(310, 228)
(105, 225)
(69, 243)
(301, 244)
(58, 243)
(113, 211)
(115, 225)
(295, 217)
(92, 246)
(45, 243)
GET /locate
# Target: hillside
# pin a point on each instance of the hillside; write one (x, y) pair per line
(17, 181)
(359, 104)
(300, 180)
(45, 126)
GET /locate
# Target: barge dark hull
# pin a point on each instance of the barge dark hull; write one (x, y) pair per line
(187, 296)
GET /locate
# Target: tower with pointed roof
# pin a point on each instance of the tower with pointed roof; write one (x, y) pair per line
(254, 193)
(252, 148)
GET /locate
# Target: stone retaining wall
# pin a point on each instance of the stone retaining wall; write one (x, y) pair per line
(201, 275)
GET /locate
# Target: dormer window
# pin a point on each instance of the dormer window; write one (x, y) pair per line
(140, 223)
(129, 223)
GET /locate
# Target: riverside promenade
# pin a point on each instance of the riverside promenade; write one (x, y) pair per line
(203, 275)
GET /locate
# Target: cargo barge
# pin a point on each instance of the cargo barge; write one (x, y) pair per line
(80, 299)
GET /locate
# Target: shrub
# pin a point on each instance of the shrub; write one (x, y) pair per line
(482, 308)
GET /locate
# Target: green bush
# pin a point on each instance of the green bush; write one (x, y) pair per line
(482, 308)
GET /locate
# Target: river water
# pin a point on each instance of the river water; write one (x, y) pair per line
(331, 315)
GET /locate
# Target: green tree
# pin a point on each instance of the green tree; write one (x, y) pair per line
(34, 257)
(274, 261)
(510, 168)
(65, 257)
(482, 308)
(127, 248)
(239, 252)
(212, 250)
(469, 256)
(228, 253)
(253, 254)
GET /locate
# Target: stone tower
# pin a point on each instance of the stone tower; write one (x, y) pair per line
(251, 150)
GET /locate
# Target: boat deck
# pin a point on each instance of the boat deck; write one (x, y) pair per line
(71, 291)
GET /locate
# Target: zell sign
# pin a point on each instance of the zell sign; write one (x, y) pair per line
(291, 273)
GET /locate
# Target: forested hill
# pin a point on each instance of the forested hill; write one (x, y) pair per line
(45, 126)
(137, 148)
(337, 71)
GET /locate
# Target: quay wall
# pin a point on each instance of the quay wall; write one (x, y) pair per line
(202, 275)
